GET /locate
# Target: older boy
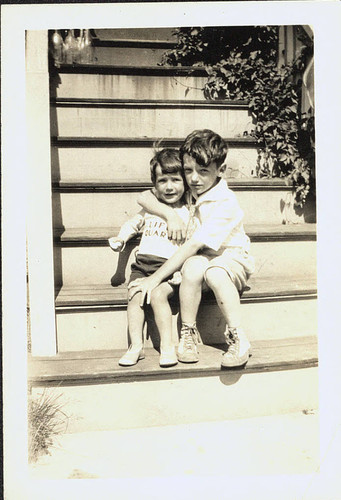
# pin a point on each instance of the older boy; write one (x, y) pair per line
(216, 256)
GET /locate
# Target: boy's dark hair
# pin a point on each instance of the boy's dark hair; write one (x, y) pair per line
(168, 159)
(205, 147)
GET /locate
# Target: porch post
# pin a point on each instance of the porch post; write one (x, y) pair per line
(39, 217)
(286, 45)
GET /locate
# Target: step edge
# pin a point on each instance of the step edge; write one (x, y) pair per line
(132, 70)
(133, 43)
(69, 241)
(290, 232)
(118, 374)
(152, 103)
(250, 183)
(111, 303)
(60, 382)
(56, 140)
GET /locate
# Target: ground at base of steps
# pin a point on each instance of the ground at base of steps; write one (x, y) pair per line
(278, 444)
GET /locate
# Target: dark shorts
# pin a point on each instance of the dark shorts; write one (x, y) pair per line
(145, 265)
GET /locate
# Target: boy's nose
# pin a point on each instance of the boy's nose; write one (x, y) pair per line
(194, 178)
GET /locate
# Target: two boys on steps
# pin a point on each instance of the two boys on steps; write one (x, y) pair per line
(215, 254)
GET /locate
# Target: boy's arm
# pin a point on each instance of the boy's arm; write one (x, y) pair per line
(127, 231)
(175, 225)
(147, 285)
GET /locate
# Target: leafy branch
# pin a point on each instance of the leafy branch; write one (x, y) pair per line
(241, 64)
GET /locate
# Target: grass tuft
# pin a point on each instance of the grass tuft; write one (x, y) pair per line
(46, 420)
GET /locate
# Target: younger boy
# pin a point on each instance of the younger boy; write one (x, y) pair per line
(155, 248)
(215, 257)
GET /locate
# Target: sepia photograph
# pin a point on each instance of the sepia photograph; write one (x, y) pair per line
(169, 259)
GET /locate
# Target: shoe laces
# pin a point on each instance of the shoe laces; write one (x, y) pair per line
(232, 341)
(190, 336)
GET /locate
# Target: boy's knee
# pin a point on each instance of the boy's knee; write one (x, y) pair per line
(216, 276)
(158, 295)
(193, 270)
(132, 294)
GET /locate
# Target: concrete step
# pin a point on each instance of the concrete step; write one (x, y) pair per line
(82, 256)
(183, 394)
(101, 160)
(129, 82)
(108, 204)
(94, 316)
(146, 118)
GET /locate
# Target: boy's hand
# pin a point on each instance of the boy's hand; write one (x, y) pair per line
(176, 228)
(116, 244)
(145, 286)
(176, 278)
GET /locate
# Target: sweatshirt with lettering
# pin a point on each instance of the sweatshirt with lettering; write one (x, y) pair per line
(154, 238)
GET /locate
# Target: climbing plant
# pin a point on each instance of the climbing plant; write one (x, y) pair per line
(242, 64)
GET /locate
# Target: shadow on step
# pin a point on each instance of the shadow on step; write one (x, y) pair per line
(231, 376)
(211, 328)
(123, 257)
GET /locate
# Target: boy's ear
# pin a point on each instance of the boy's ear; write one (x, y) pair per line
(221, 170)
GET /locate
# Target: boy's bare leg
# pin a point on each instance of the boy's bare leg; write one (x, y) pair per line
(163, 314)
(228, 300)
(191, 288)
(190, 297)
(226, 294)
(135, 321)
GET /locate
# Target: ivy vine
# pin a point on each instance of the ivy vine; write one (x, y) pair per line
(241, 63)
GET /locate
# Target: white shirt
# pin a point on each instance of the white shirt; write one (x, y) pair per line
(221, 220)
(154, 239)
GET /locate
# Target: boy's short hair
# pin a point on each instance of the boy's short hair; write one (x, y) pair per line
(168, 159)
(205, 147)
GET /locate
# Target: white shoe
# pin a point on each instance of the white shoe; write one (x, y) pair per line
(168, 358)
(132, 356)
(239, 347)
(187, 348)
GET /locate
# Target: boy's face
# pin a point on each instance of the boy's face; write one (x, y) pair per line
(169, 187)
(201, 178)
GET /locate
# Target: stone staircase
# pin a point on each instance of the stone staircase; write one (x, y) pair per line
(105, 118)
